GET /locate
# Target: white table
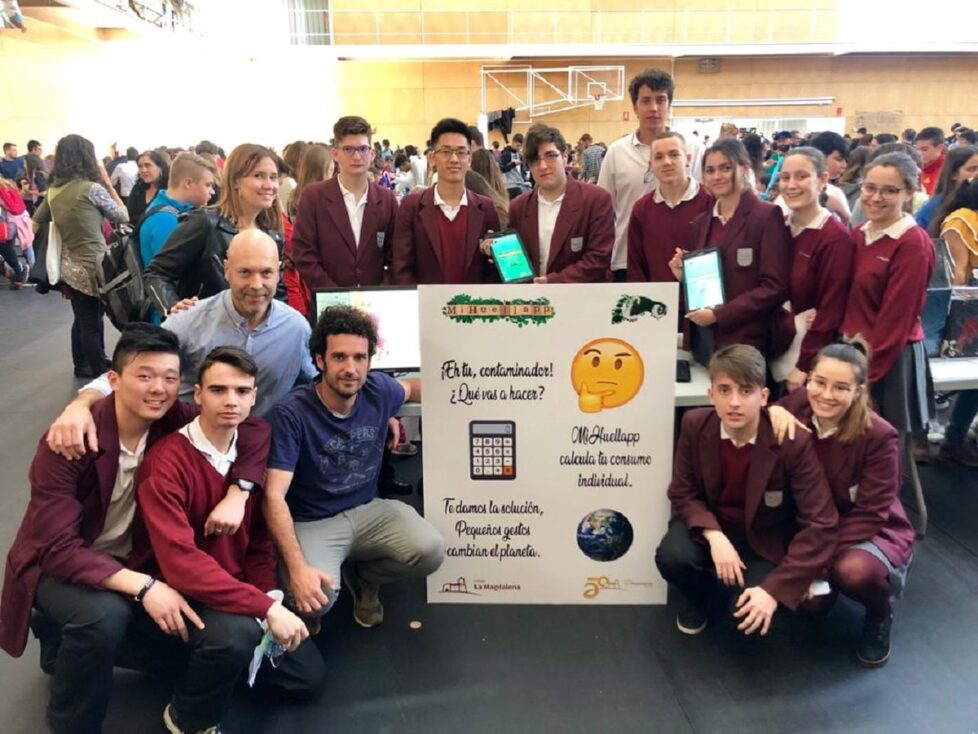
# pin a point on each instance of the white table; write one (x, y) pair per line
(955, 374)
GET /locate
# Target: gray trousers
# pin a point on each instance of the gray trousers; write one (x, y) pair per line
(386, 539)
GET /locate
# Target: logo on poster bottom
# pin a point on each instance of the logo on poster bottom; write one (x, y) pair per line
(462, 586)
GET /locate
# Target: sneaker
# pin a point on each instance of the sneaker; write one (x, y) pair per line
(962, 453)
(692, 618)
(170, 722)
(367, 609)
(874, 646)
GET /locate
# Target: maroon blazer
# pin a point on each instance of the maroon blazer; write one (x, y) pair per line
(417, 244)
(66, 514)
(756, 254)
(869, 467)
(323, 247)
(790, 518)
(580, 249)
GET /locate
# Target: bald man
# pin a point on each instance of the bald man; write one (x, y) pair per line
(246, 316)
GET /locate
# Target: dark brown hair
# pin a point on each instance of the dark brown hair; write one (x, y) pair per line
(237, 358)
(742, 363)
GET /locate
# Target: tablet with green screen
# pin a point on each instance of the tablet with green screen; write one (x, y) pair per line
(510, 257)
(703, 279)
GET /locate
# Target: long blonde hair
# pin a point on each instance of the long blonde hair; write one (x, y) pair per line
(316, 164)
(242, 161)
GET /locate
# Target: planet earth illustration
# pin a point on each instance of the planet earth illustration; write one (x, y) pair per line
(604, 535)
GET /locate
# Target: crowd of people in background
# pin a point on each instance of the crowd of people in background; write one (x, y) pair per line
(826, 249)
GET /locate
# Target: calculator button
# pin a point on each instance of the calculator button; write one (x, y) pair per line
(477, 451)
(477, 461)
(507, 471)
(507, 451)
(497, 452)
(477, 470)
(497, 442)
(507, 442)
(476, 441)
(498, 471)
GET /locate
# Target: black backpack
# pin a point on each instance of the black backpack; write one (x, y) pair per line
(119, 274)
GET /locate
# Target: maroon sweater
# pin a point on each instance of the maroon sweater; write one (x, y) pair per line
(654, 233)
(452, 234)
(734, 469)
(821, 272)
(889, 285)
(176, 490)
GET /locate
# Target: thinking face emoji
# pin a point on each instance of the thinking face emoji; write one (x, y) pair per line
(606, 373)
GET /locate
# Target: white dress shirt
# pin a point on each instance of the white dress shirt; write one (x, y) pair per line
(116, 536)
(547, 212)
(447, 209)
(354, 209)
(218, 459)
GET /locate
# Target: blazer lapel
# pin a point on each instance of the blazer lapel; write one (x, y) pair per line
(368, 229)
(531, 226)
(428, 213)
(475, 218)
(566, 220)
(731, 233)
(709, 464)
(762, 461)
(338, 213)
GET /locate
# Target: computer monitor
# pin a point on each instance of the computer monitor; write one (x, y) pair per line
(395, 309)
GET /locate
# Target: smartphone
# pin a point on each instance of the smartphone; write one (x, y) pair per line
(510, 256)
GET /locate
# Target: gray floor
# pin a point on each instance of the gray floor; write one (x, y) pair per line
(549, 669)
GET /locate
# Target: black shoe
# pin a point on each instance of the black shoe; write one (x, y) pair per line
(394, 487)
(874, 646)
(692, 618)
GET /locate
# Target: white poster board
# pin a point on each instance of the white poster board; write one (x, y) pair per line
(548, 429)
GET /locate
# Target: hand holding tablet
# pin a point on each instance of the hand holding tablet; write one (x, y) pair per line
(510, 257)
(703, 279)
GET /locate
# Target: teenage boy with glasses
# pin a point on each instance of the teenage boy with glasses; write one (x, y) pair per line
(438, 230)
(345, 226)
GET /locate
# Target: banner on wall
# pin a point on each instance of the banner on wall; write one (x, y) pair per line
(548, 431)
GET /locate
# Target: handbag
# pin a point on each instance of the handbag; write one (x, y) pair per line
(52, 258)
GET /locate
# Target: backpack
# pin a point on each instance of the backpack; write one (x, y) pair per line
(119, 274)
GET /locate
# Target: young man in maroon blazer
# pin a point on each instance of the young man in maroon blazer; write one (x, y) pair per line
(568, 227)
(226, 577)
(661, 220)
(344, 228)
(748, 513)
(68, 560)
(438, 230)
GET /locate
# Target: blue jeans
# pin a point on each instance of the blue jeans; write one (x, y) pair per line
(962, 414)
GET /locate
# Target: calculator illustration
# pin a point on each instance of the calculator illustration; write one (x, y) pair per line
(492, 450)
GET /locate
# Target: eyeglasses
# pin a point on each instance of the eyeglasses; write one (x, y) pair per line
(448, 153)
(354, 149)
(549, 157)
(887, 192)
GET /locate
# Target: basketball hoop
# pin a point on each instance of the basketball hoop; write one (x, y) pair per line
(599, 101)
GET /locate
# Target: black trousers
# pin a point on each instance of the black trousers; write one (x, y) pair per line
(87, 333)
(96, 625)
(688, 565)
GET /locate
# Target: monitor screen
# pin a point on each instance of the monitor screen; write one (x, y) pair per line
(395, 309)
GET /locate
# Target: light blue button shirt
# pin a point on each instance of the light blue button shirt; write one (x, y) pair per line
(280, 346)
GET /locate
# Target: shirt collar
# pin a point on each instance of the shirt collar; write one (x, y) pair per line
(820, 432)
(894, 231)
(349, 194)
(140, 447)
(724, 436)
(716, 213)
(543, 202)
(636, 142)
(240, 321)
(441, 202)
(195, 434)
(817, 223)
(692, 188)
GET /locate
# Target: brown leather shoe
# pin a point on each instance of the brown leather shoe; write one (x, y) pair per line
(962, 453)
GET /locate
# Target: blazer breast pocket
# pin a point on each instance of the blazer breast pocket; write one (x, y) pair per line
(773, 499)
(577, 244)
(745, 258)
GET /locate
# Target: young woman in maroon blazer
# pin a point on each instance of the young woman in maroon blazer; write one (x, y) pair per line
(755, 247)
(821, 260)
(860, 453)
(893, 265)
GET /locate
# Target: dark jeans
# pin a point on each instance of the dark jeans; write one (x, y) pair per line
(688, 565)
(93, 625)
(10, 252)
(87, 333)
(962, 414)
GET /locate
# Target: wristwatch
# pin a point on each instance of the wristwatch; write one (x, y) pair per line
(246, 486)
